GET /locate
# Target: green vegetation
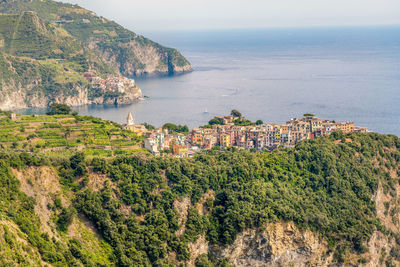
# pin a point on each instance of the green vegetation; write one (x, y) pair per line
(23, 242)
(59, 109)
(215, 121)
(149, 126)
(47, 46)
(64, 134)
(236, 113)
(44, 58)
(243, 122)
(239, 121)
(251, 189)
(173, 128)
(89, 28)
(324, 185)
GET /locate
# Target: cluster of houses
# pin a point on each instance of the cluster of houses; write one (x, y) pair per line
(115, 84)
(267, 136)
(229, 134)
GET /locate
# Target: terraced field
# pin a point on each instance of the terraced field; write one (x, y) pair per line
(67, 134)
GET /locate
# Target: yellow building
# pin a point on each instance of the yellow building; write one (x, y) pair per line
(225, 140)
(139, 129)
(180, 151)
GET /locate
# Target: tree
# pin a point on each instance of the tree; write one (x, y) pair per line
(65, 218)
(215, 121)
(308, 115)
(59, 109)
(78, 165)
(203, 261)
(176, 128)
(149, 126)
(236, 113)
(259, 122)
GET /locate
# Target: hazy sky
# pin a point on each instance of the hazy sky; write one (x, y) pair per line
(148, 15)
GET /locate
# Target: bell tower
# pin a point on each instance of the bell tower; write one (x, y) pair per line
(129, 119)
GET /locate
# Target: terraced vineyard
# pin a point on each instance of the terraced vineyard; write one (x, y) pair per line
(66, 134)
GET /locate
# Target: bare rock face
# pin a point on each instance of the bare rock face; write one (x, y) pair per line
(138, 59)
(113, 91)
(278, 244)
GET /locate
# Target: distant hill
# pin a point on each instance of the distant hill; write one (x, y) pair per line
(127, 52)
(55, 52)
(42, 63)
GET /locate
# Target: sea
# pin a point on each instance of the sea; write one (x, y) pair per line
(342, 74)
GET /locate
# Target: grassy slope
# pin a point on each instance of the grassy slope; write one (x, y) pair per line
(86, 26)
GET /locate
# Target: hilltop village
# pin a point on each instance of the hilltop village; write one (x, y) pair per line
(235, 131)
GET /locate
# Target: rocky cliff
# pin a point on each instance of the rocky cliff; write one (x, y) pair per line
(278, 244)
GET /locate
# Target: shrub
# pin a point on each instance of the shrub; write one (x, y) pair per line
(59, 109)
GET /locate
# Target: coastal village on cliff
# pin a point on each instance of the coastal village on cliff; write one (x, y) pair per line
(229, 133)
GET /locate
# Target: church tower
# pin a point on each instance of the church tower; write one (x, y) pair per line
(129, 119)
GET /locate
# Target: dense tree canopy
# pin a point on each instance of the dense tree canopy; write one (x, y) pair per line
(236, 113)
(59, 109)
(324, 185)
(319, 185)
(173, 128)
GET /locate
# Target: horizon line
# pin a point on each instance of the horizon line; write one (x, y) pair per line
(274, 28)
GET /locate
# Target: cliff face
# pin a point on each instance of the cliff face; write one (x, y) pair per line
(129, 53)
(139, 58)
(15, 96)
(284, 244)
(20, 98)
(279, 244)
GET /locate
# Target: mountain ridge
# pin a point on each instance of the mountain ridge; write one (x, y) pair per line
(129, 53)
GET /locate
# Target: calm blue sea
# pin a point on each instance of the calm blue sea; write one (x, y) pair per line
(346, 74)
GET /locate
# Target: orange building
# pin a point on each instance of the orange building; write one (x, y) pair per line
(197, 138)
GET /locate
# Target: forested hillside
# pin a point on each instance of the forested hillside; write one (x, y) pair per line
(329, 200)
